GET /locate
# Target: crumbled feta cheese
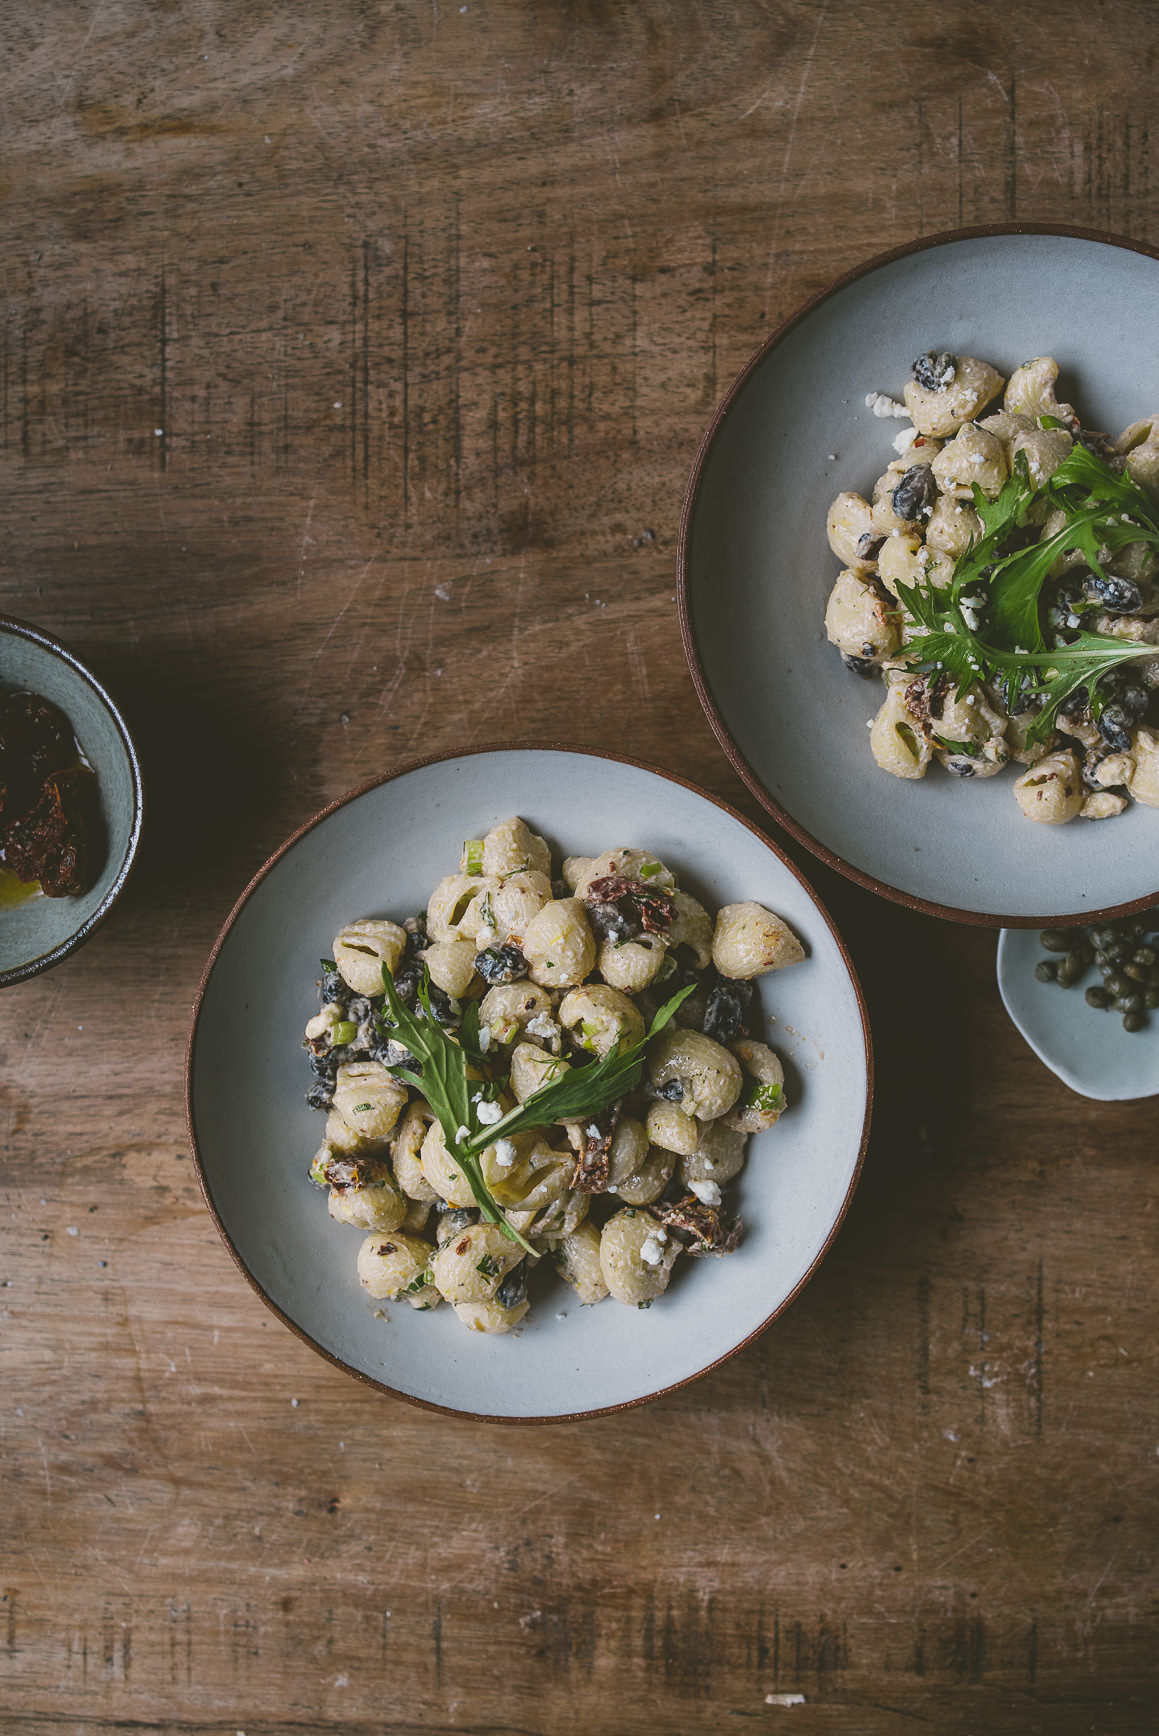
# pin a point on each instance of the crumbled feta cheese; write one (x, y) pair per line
(462, 1133)
(883, 405)
(707, 1192)
(904, 439)
(504, 1150)
(542, 1025)
(484, 1039)
(489, 1114)
(1073, 620)
(593, 1131)
(652, 1250)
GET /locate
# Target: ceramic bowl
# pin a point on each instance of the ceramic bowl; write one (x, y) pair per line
(756, 570)
(41, 931)
(380, 851)
(1088, 1049)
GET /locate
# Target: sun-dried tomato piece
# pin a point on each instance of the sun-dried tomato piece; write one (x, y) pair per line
(701, 1222)
(593, 1139)
(50, 843)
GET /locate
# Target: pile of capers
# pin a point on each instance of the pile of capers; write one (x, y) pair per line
(1127, 954)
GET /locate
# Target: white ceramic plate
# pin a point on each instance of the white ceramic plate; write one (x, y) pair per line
(755, 568)
(380, 851)
(1088, 1049)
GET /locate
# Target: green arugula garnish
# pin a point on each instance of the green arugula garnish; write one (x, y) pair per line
(581, 1093)
(1002, 574)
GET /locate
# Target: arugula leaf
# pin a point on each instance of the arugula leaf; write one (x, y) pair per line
(1103, 512)
(445, 1084)
(583, 1091)
(969, 748)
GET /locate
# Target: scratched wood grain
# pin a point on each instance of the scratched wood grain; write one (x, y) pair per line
(354, 359)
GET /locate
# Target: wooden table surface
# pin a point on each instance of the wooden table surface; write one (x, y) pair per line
(356, 354)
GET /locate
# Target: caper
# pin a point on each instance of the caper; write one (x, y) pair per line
(1151, 998)
(1055, 940)
(1098, 998)
(1133, 1021)
(1129, 1004)
(1146, 955)
(1118, 983)
(1046, 970)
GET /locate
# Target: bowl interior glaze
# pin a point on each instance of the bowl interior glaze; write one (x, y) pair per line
(380, 852)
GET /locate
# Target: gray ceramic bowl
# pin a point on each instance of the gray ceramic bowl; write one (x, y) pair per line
(381, 851)
(1088, 1049)
(755, 568)
(42, 931)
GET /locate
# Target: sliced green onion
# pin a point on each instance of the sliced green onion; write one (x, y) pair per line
(763, 1098)
(344, 1032)
(473, 855)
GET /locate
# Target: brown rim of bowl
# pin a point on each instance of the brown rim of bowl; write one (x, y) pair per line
(26, 630)
(470, 753)
(977, 918)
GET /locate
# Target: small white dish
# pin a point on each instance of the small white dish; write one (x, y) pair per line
(1087, 1048)
(755, 570)
(379, 851)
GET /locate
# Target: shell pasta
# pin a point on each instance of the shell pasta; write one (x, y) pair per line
(604, 1033)
(1001, 577)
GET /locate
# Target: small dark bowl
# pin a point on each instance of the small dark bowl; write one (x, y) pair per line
(38, 933)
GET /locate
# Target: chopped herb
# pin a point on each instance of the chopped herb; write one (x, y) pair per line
(762, 1098)
(642, 1305)
(318, 1169)
(488, 1265)
(966, 747)
(649, 870)
(327, 964)
(360, 1108)
(416, 1284)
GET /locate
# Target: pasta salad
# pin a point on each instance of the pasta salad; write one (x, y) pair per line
(1003, 581)
(542, 1070)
